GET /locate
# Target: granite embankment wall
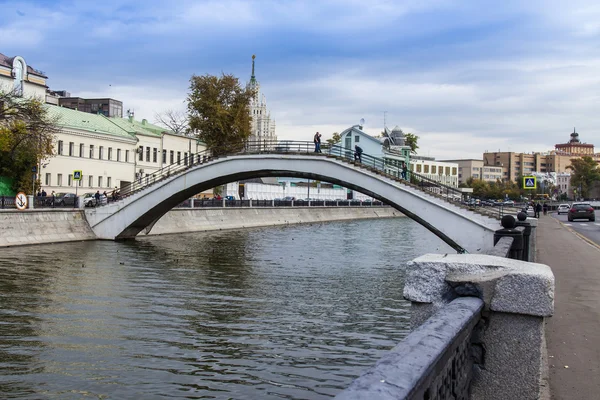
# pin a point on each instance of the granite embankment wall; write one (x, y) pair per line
(52, 226)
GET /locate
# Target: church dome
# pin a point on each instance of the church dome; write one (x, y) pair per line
(397, 130)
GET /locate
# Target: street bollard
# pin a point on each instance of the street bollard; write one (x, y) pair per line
(522, 221)
(509, 223)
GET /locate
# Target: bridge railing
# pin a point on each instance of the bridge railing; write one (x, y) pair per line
(478, 330)
(376, 164)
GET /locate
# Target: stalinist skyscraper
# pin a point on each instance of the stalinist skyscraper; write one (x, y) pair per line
(263, 127)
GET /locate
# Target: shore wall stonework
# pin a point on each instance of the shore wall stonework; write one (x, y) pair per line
(53, 226)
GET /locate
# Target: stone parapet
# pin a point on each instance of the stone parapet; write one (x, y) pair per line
(517, 297)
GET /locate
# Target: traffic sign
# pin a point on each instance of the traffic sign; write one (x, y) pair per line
(21, 201)
(529, 182)
(77, 175)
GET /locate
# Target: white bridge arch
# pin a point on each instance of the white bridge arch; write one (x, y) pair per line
(462, 229)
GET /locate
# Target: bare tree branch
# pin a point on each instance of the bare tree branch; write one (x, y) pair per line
(176, 121)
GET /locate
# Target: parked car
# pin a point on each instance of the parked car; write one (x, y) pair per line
(508, 203)
(581, 211)
(563, 209)
(64, 199)
(89, 199)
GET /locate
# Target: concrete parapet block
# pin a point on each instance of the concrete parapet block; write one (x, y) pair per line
(517, 297)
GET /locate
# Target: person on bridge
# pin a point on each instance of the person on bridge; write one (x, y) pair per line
(358, 153)
(404, 171)
(317, 140)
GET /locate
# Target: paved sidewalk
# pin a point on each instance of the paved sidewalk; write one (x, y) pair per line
(573, 333)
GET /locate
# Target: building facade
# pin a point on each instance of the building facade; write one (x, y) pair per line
(476, 169)
(558, 160)
(23, 79)
(107, 107)
(443, 172)
(263, 126)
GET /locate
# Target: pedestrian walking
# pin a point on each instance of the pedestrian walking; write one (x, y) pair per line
(53, 198)
(358, 153)
(404, 171)
(538, 209)
(545, 208)
(317, 140)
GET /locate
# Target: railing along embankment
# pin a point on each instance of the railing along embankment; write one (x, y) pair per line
(477, 326)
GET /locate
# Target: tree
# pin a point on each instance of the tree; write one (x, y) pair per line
(26, 137)
(219, 111)
(176, 121)
(585, 173)
(411, 141)
(334, 139)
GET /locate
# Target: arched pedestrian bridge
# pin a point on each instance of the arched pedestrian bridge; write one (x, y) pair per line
(424, 201)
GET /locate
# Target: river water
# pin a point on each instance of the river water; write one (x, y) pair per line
(292, 312)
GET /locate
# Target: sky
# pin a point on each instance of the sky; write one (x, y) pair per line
(465, 76)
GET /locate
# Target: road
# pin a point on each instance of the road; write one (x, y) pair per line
(572, 332)
(590, 230)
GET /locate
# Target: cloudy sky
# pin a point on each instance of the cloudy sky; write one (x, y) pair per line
(466, 76)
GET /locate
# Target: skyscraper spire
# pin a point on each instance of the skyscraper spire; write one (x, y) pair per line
(252, 77)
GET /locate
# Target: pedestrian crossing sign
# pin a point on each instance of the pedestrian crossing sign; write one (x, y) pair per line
(76, 175)
(529, 182)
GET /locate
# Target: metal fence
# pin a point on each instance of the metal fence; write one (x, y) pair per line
(375, 164)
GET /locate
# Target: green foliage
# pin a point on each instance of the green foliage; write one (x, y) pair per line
(494, 190)
(26, 137)
(411, 141)
(219, 111)
(586, 172)
(336, 137)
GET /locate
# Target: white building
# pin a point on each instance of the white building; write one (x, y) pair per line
(443, 172)
(16, 75)
(263, 127)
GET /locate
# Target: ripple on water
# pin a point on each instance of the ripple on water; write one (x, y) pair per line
(282, 312)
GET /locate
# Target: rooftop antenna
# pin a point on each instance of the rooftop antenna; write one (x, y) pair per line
(362, 122)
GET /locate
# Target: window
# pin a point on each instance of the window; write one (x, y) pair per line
(118, 154)
(185, 160)
(141, 153)
(59, 179)
(99, 181)
(81, 149)
(418, 167)
(70, 180)
(48, 179)
(60, 147)
(155, 155)
(91, 151)
(433, 169)
(356, 139)
(426, 169)
(447, 170)
(126, 155)
(71, 149)
(178, 157)
(172, 157)
(147, 154)
(110, 153)
(101, 153)
(164, 156)
(108, 182)
(90, 181)
(453, 170)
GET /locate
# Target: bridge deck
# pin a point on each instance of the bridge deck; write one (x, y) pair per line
(572, 333)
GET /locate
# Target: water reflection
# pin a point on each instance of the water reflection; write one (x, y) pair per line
(292, 312)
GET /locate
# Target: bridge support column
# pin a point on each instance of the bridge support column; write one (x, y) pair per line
(508, 344)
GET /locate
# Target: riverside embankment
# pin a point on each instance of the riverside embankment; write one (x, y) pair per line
(59, 225)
